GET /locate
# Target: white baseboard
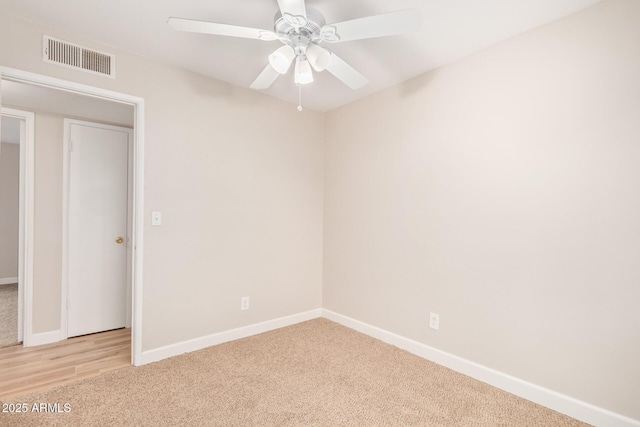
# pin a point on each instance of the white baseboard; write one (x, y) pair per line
(157, 354)
(44, 338)
(558, 402)
(8, 281)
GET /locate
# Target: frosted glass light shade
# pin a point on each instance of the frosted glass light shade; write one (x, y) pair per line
(281, 59)
(318, 57)
(303, 72)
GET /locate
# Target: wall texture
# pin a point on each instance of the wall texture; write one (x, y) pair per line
(9, 209)
(503, 193)
(241, 203)
(47, 222)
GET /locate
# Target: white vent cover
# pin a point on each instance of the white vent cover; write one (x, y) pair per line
(80, 58)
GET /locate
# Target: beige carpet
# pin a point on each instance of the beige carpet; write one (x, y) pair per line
(8, 315)
(316, 373)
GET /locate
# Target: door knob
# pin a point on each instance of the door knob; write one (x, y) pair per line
(119, 239)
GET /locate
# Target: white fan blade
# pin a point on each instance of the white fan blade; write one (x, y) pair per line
(266, 78)
(388, 24)
(294, 12)
(205, 27)
(346, 73)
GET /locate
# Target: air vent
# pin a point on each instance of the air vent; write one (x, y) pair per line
(80, 58)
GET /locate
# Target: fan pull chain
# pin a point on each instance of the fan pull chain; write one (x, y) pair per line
(299, 97)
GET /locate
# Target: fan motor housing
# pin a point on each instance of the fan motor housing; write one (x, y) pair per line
(311, 30)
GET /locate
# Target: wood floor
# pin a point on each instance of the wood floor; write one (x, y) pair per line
(24, 370)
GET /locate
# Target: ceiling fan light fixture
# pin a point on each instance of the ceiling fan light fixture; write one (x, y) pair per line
(301, 29)
(303, 72)
(318, 57)
(281, 59)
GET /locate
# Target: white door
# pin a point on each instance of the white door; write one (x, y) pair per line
(97, 227)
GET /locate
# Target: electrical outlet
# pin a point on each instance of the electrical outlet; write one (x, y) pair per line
(434, 321)
(244, 303)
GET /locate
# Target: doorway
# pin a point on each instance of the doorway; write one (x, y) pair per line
(135, 257)
(10, 143)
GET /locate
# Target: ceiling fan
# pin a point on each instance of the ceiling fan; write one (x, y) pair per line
(302, 30)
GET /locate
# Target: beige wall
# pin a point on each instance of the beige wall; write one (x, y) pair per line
(47, 222)
(503, 193)
(9, 209)
(241, 203)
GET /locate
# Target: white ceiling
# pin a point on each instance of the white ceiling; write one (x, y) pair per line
(452, 29)
(42, 99)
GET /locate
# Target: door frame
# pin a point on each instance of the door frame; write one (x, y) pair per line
(66, 182)
(25, 219)
(137, 102)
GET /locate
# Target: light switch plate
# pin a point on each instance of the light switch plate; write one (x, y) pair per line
(156, 218)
